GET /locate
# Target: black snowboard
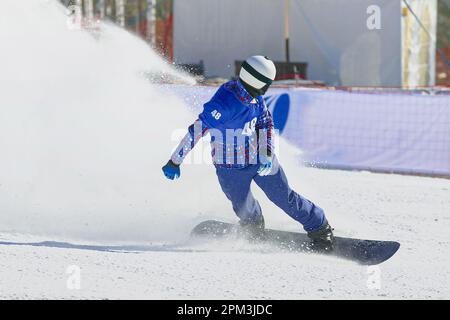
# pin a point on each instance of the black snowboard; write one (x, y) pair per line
(366, 252)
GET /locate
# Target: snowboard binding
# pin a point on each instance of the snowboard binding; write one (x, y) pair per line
(253, 230)
(323, 238)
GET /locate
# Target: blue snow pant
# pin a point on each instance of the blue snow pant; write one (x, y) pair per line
(235, 184)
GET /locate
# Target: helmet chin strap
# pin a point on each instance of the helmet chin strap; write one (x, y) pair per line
(253, 91)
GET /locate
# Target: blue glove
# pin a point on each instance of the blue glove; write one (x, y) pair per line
(270, 167)
(171, 170)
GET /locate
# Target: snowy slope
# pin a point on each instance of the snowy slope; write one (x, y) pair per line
(412, 210)
(83, 137)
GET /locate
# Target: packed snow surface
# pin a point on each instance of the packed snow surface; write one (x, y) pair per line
(412, 210)
(85, 211)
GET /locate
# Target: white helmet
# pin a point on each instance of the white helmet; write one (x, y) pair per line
(258, 72)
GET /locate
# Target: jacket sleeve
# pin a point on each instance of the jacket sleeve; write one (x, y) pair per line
(264, 126)
(195, 132)
(213, 117)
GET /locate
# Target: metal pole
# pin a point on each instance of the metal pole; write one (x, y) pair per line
(286, 28)
(151, 18)
(120, 12)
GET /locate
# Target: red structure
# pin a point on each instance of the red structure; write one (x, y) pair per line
(442, 68)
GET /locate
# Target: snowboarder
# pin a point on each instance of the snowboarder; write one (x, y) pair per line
(241, 130)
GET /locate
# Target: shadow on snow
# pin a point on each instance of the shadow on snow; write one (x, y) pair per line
(104, 248)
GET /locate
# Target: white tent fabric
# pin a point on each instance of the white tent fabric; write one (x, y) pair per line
(334, 37)
(335, 40)
(220, 32)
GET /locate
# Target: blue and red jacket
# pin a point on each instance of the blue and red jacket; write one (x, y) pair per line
(240, 126)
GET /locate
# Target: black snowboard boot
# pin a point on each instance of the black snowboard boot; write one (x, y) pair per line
(253, 230)
(323, 238)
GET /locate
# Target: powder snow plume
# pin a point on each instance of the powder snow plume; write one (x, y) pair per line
(83, 135)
